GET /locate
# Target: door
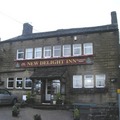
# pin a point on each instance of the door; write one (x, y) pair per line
(48, 90)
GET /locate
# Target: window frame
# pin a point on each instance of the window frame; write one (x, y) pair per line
(21, 80)
(10, 79)
(57, 49)
(102, 79)
(75, 47)
(29, 53)
(47, 49)
(21, 53)
(68, 50)
(88, 47)
(27, 79)
(86, 80)
(37, 51)
(77, 79)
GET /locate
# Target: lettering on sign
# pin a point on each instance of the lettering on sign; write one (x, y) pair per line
(53, 62)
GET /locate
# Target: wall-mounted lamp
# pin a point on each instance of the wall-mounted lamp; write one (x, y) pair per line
(113, 80)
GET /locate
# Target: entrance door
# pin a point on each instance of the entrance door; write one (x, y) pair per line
(48, 90)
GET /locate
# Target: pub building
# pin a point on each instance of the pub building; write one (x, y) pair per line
(80, 64)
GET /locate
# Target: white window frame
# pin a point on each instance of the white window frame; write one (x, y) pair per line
(29, 53)
(20, 52)
(88, 48)
(47, 51)
(10, 80)
(77, 81)
(88, 81)
(100, 81)
(38, 53)
(57, 51)
(78, 48)
(66, 50)
(19, 80)
(27, 80)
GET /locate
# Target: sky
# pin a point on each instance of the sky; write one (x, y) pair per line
(50, 15)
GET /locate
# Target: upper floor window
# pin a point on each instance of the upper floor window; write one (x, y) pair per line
(66, 50)
(19, 83)
(88, 48)
(88, 81)
(20, 54)
(38, 52)
(100, 81)
(28, 83)
(57, 51)
(77, 81)
(47, 51)
(76, 49)
(29, 53)
(10, 83)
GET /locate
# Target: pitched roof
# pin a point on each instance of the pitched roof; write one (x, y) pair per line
(65, 32)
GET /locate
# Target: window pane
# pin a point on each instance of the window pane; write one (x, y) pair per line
(28, 83)
(56, 51)
(88, 48)
(19, 83)
(88, 81)
(37, 86)
(29, 53)
(77, 81)
(20, 54)
(10, 83)
(38, 52)
(66, 50)
(47, 52)
(76, 49)
(56, 86)
(100, 81)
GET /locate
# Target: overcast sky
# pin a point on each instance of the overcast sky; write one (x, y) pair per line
(50, 15)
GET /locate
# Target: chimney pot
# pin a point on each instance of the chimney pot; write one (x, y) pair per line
(114, 18)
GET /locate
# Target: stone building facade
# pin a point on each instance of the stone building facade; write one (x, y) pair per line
(82, 64)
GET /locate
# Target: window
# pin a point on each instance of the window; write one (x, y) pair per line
(66, 50)
(88, 81)
(20, 54)
(57, 51)
(29, 53)
(76, 49)
(56, 86)
(19, 83)
(47, 52)
(88, 48)
(77, 81)
(37, 86)
(10, 83)
(38, 52)
(100, 81)
(27, 83)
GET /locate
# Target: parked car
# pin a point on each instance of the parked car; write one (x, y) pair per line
(7, 97)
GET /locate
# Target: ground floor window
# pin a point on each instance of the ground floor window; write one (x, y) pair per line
(56, 86)
(88, 81)
(19, 83)
(37, 86)
(27, 83)
(77, 81)
(10, 83)
(100, 81)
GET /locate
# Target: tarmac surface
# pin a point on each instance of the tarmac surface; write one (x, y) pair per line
(27, 113)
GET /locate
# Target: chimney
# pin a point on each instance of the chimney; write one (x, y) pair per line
(114, 18)
(27, 29)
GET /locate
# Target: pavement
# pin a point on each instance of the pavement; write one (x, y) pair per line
(28, 113)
